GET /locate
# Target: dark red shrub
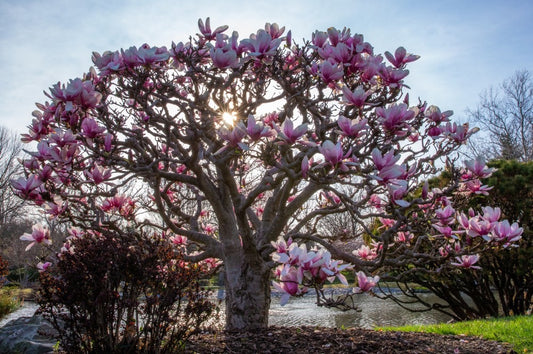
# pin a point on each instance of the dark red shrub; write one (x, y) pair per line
(122, 294)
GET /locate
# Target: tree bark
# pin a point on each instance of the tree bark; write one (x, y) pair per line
(247, 292)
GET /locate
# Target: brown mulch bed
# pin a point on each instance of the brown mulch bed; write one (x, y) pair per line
(311, 340)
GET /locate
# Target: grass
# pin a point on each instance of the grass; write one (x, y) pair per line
(9, 301)
(516, 330)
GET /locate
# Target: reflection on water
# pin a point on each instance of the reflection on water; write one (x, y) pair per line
(303, 311)
(374, 312)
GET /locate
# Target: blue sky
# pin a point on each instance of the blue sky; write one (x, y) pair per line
(465, 46)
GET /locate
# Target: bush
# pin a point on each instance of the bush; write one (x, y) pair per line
(122, 294)
(7, 302)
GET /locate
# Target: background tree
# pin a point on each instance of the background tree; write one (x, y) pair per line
(242, 147)
(10, 152)
(504, 282)
(505, 114)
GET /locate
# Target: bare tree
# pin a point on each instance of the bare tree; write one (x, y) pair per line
(10, 150)
(506, 116)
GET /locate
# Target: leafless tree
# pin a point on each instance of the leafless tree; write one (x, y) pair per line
(505, 114)
(10, 151)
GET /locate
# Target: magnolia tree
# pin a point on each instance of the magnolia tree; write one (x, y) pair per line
(244, 146)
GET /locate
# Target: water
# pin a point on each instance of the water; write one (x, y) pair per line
(303, 311)
(27, 309)
(374, 313)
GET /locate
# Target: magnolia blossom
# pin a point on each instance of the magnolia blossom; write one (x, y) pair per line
(178, 240)
(299, 268)
(256, 130)
(356, 97)
(400, 57)
(365, 283)
(43, 267)
(467, 261)
(39, 234)
(352, 128)
(288, 133)
(503, 232)
(477, 169)
(334, 155)
(366, 253)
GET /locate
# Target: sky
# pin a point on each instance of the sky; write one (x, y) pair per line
(465, 46)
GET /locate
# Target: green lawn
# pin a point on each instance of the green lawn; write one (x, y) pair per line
(517, 330)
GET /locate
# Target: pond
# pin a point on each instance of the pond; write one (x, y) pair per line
(303, 311)
(374, 313)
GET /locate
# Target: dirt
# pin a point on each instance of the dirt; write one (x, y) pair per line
(310, 340)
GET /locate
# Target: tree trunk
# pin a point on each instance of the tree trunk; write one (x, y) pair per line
(247, 292)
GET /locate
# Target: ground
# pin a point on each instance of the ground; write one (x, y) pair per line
(311, 340)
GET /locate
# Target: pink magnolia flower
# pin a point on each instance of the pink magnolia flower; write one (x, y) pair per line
(39, 234)
(282, 248)
(256, 130)
(206, 32)
(467, 261)
(365, 283)
(398, 191)
(434, 114)
(97, 174)
(261, 45)
(305, 165)
(445, 231)
(124, 205)
(477, 169)
(27, 187)
(458, 133)
(490, 214)
(289, 286)
(395, 118)
(366, 253)
(234, 136)
(274, 30)
(108, 62)
(209, 229)
(503, 232)
(178, 240)
(356, 97)
(400, 57)
(319, 38)
(90, 128)
(223, 54)
(333, 154)
(43, 267)
(351, 127)
(330, 72)
(392, 77)
(475, 187)
(445, 215)
(404, 236)
(480, 227)
(382, 161)
(288, 133)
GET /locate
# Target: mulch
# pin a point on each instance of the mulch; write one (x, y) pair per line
(310, 340)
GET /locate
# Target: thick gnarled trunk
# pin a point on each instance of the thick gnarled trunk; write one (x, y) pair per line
(247, 283)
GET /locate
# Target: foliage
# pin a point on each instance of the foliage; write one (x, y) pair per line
(8, 302)
(123, 294)
(236, 148)
(3, 271)
(515, 330)
(504, 282)
(506, 115)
